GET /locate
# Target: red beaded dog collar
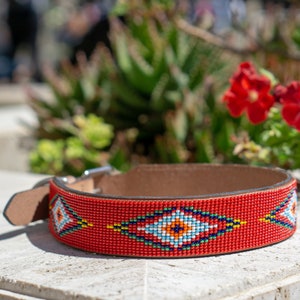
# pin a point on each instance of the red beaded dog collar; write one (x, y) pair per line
(165, 210)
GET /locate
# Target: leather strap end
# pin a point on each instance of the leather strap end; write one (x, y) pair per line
(27, 206)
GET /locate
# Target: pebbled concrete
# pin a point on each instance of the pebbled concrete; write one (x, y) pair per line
(34, 265)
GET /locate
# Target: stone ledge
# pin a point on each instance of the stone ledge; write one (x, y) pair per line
(13, 94)
(15, 114)
(288, 288)
(6, 295)
(34, 264)
(15, 139)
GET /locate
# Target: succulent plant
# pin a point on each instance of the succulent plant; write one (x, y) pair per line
(164, 87)
(85, 148)
(157, 88)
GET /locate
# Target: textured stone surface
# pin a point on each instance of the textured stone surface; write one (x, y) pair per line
(33, 265)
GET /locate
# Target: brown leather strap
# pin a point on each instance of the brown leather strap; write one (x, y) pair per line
(32, 205)
(183, 180)
(27, 206)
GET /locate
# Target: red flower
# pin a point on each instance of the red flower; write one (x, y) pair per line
(250, 93)
(289, 97)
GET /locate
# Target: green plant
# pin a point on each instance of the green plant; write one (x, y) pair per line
(158, 89)
(83, 149)
(80, 90)
(163, 86)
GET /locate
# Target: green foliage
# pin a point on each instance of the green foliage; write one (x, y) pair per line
(296, 36)
(76, 91)
(157, 90)
(163, 89)
(277, 143)
(48, 157)
(282, 141)
(83, 149)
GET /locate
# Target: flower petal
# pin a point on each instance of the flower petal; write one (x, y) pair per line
(249, 91)
(279, 92)
(266, 100)
(290, 94)
(256, 112)
(235, 105)
(290, 112)
(261, 84)
(297, 122)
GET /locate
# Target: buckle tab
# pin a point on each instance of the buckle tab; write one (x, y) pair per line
(108, 169)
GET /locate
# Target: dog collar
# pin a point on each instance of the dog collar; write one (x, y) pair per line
(183, 210)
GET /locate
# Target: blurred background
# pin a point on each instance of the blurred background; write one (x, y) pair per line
(34, 33)
(126, 82)
(38, 32)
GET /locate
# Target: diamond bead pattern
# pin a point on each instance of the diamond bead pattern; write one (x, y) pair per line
(176, 228)
(285, 213)
(65, 219)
